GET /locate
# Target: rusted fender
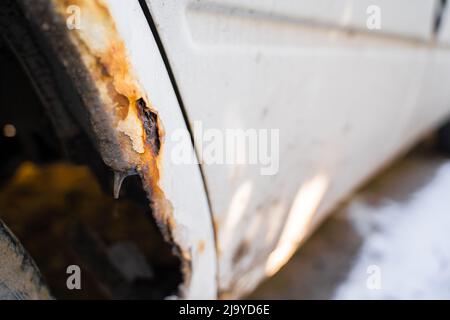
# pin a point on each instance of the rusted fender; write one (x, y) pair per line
(121, 79)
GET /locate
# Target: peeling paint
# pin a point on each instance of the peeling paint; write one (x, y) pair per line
(131, 127)
(125, 108)
(104, 54)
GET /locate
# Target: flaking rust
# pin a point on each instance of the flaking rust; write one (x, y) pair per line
(124, 111)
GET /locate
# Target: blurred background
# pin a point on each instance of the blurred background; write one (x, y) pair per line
(395, 230)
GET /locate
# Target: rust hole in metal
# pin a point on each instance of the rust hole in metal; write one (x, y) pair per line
(56, 196)
(150, 123)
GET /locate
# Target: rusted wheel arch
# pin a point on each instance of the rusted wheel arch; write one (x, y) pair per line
(97, 97)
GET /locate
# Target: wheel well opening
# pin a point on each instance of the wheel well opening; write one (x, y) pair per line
(58, 200)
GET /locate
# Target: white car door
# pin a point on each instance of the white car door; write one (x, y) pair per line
(348, 84)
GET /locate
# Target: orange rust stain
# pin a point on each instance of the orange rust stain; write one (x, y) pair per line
(122, 102)
(216, 226)
(106, 58)
(201, 246)
(99, 39)
(112, 69)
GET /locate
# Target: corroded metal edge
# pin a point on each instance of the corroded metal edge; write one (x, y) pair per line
(128, 132)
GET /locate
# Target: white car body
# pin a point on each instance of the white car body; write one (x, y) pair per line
(346, 99)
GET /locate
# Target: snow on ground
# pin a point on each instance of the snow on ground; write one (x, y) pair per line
(391, 241)
(406, 247)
